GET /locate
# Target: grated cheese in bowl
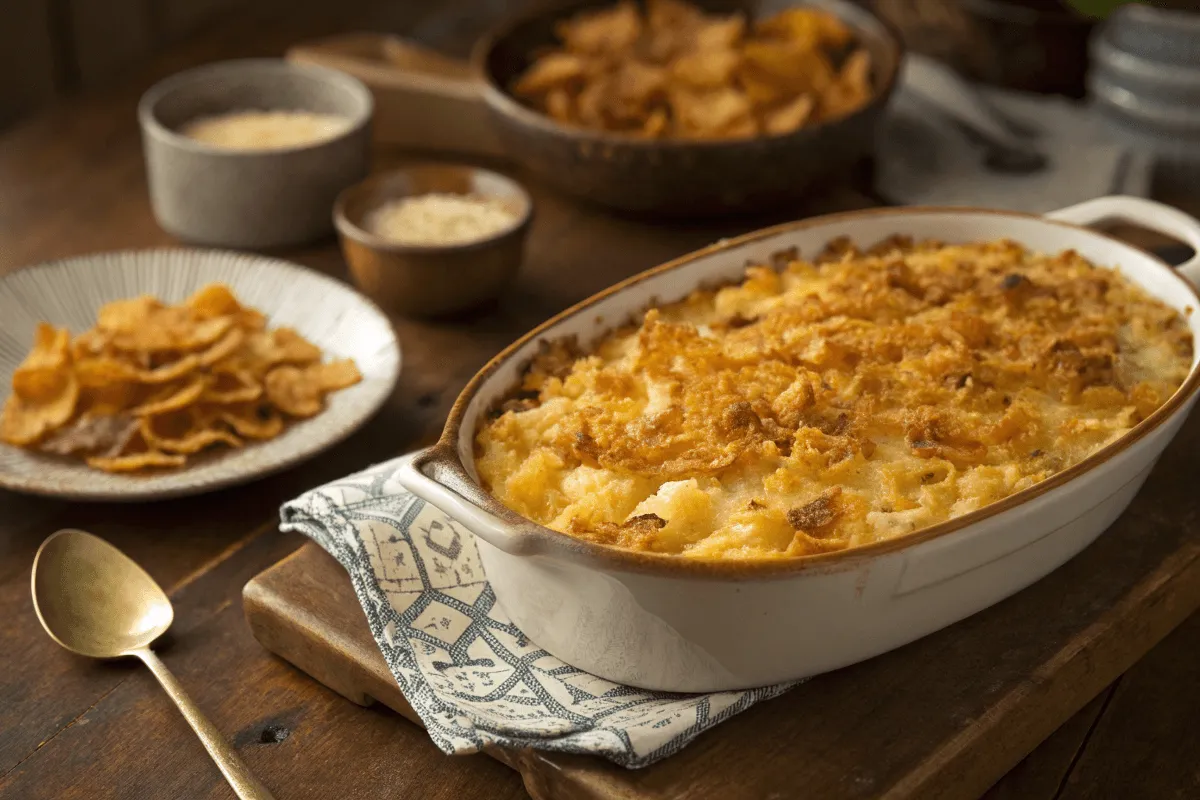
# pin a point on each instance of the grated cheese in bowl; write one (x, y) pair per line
(265, 130)
(440, 218)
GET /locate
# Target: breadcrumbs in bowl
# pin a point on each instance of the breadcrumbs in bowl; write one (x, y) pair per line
(433, 239)
(265, 130)
(439, 218)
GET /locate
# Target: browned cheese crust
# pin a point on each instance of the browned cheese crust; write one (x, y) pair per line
(831, 403)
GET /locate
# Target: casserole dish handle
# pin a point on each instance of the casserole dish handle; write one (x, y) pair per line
(956, 556)
(1147, 213)
(438, 478)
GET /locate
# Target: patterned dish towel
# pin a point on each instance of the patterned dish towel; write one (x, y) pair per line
(470, 674)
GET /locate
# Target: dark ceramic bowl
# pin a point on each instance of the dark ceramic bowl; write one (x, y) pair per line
(679, 177)
(431, 280)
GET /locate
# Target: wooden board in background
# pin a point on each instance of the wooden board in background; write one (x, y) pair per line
(944, 717)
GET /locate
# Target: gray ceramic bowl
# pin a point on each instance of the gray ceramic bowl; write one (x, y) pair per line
(251, 198)
(1145, 87)
(1116, 71)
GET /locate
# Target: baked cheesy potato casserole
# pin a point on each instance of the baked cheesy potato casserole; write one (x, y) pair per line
(826, 404)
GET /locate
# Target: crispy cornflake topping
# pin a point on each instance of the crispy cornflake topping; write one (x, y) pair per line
(831, 403)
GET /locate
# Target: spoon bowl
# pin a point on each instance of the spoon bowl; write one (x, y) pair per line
(93, 599)
(96, 601)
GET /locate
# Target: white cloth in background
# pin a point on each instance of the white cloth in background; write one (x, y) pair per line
(924, 159)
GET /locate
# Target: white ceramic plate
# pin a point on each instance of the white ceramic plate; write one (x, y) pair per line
(331, 315)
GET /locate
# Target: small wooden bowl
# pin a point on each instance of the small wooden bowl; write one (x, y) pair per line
(431, 280)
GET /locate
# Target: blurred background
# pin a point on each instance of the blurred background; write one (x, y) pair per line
(52, 47)
(1097, 73)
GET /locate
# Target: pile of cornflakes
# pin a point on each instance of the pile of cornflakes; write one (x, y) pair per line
(152, 384)
(677, 72)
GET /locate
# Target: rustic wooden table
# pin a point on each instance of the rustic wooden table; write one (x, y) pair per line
(71, 182)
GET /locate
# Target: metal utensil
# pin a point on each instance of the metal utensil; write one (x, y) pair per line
(95, 601)
(942, 89)
(946, 88)
(1019, 127)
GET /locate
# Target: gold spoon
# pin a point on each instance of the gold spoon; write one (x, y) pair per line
(95, 601)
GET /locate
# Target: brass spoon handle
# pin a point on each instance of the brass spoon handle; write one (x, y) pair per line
(232, 767)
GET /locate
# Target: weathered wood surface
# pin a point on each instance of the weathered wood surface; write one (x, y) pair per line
(944, 717)
(72, 182)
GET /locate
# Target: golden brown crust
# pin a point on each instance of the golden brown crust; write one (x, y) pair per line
(920, 381)
(818, 514)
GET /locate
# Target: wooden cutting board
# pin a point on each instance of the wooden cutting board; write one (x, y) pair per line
(943, 717)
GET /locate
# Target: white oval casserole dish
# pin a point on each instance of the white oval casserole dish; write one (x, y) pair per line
(679, 624)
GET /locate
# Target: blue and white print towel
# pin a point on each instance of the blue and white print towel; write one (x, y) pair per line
(471, 675)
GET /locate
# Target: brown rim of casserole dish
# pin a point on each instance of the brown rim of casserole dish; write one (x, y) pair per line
(445, 452)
